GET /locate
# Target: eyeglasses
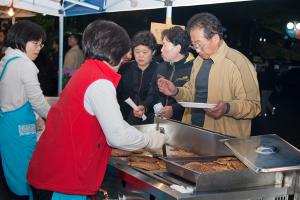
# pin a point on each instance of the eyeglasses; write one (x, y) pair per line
(37, 44)
(196, 45)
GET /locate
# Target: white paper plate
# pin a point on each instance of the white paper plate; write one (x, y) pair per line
(197, 105)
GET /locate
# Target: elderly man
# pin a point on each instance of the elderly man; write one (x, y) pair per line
(220, 75)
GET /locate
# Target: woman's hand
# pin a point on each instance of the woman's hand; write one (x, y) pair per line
(139, 111)
(40, 125)
(167, 112)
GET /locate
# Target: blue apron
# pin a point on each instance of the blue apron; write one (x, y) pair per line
(17, 142)
(60, 196)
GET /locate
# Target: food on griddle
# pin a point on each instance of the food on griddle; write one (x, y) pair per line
(149, 166)
(174, 152)
(123, 153)
(146, 163)
(220, 168)
(235, 164)
(162, 164)
(231, 162)
(142, 159)
(205, 167)
(138, 151)
(120, 153)
(224, 160)
(219, 165)
(180, 152)
(171, 151)
(197, 166)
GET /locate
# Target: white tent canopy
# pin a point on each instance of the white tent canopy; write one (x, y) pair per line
(61, 7)
(65, 8)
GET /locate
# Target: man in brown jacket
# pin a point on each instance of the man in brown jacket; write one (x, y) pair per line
(220, 75)
(74, 56)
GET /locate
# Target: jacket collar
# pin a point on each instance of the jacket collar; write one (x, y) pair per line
(10, 52)
(221, 52)
(188, 57)
(105, 69)
(75, 47)
(150, 66)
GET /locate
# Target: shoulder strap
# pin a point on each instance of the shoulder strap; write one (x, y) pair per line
(5, 65)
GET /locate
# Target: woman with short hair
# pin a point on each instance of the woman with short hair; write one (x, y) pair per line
(137, 75)
(20, 97)
(70, 159)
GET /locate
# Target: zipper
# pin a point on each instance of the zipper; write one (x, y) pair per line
(171, 79)
(140, 86)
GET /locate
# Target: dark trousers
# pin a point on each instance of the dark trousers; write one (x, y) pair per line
(41, 194)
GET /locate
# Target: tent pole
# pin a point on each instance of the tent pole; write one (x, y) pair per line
(61, 48)
(13, 20)
(169, 15)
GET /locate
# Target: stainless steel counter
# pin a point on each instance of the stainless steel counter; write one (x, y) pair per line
(204, 143)
(159, 188)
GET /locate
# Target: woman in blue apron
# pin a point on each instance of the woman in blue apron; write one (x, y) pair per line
(20, 97)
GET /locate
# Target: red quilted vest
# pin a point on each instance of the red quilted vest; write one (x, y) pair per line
(72, 153)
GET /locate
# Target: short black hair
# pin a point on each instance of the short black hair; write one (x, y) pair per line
(22, 32)
(106, 41)
(77, 36)
(177, 35)
(145, 38)
(209, 22)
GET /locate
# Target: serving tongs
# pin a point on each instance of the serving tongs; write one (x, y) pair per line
(162, 131)
(164, 147)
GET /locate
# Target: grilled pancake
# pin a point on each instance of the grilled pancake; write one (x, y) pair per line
(149, 166)
(180, 153)
(225, 160)
(215, 166)
(161, 164)
(120, 153)
(235, 164)
(142, 159)
(123, 153)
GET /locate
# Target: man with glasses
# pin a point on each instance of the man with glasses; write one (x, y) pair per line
(220, 75)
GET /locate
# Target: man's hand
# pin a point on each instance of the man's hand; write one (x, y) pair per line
(166, 87)
(139, 111)
(218, 111)
(167, 112)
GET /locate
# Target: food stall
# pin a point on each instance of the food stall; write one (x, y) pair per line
(268, 169)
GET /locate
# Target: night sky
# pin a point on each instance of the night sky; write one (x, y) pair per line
(268, 13)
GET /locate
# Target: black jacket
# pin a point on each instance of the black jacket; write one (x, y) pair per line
(179, 73)
(135, 84)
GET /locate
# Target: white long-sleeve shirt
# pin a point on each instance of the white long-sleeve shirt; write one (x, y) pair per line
(100, 101)
(20, 84)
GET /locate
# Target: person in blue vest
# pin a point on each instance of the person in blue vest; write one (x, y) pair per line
(20, 97)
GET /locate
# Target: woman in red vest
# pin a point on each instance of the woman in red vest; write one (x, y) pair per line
(70, 159)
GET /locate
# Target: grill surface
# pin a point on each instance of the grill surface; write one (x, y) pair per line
(241, 184)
